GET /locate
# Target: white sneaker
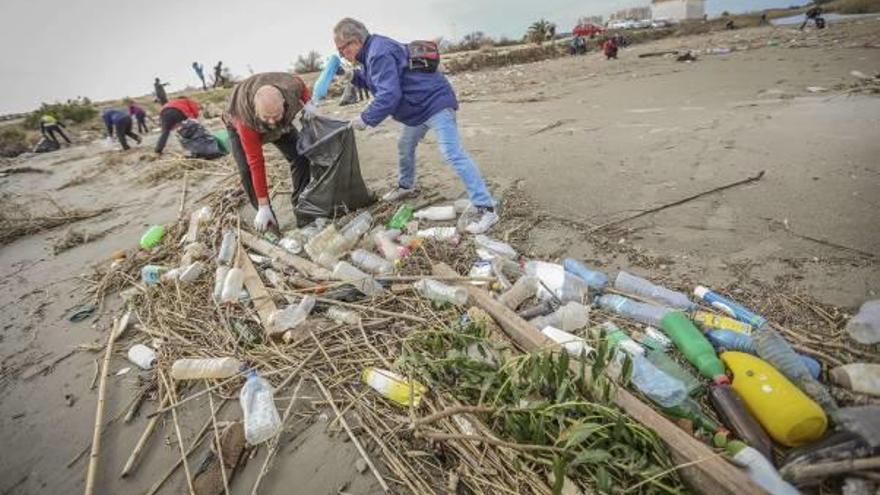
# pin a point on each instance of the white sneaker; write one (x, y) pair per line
(486, 221)
(397, 194)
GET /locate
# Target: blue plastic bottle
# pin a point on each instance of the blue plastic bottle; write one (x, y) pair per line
(322, 84)
(594, 278)
(735, 341)
(730, 307)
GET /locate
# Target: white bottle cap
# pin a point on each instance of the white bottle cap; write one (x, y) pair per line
(700, 291)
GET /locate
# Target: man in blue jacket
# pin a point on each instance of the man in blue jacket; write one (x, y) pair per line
(420, 101)
(119, 122)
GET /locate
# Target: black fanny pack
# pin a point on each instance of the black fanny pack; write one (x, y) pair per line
(424, 56)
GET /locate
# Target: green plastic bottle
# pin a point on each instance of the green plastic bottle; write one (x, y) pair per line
(401, 217)
(691, 342)
(671, 367)
(152, 237)
(690, 410)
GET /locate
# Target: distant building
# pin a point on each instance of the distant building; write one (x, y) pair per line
(679, 10)
(590, 19)
(633, 14)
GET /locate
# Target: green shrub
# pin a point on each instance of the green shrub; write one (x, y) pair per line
(855, 6)
(73, 111)
(13, 141)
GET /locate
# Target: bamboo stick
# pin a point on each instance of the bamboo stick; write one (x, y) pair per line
(99, 413)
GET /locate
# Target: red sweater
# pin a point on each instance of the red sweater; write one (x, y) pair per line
(252, 144)
(188, 107)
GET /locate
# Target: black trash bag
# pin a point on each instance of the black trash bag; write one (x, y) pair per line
(336, 187)
(46, 145)
(198, 141)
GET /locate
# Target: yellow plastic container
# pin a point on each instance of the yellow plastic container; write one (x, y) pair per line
(789, 416)
(394, 387)
(708, 321)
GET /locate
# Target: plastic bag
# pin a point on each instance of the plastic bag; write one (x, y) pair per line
(198, 141)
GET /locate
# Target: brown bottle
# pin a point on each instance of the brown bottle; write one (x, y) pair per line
(735, 416)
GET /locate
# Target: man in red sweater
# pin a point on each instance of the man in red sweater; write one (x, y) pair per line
(261, 110)
(172, 114)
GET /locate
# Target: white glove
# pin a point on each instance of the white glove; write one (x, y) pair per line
(357, 124)
(264, 217)
(310, 109)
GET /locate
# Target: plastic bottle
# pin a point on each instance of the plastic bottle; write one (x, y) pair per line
(540, 309)
(710, 321)
(192, 272)
(407, 393)
(556, 282)
(293, 315)
(448, 234)
(594, 278)
(261, 419)
(193, 251)
(572, 344)
(208, 368)
(192, 233)
(523, 289)
(219, 278)
(690, 410)
(735, 341)
(789, 416)
(152, 237)
(759, 469)
(274, 278)
(371, 262)
(436, 213)
(151, 274)
(291, 244)
(495, 247)
(671, 367)
(858, 377)
(403, 215)
(322, 84)
(322, 242)
(649, 314)
(638, 286)
(619, 339)
(227, 247)
(735, 415)
(461, 204)
(361, 281)
(655, 339)
(232, 285)
(771, 347)
(142, 356)
(691, 342)
(442, 293)
(729, 306)
(205, 214)
(864, 327)
(351, 233)
(391, 251)
(571, 316)
(661, 388)
(341, 315)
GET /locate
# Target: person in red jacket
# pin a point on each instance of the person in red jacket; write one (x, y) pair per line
(261, 110)
(172, 114)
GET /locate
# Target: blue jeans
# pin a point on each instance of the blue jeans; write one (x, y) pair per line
(445, 127)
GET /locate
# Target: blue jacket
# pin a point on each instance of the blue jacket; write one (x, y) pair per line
(111, 116)
(409, 97)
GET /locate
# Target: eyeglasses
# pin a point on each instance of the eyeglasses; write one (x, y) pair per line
(341, 48)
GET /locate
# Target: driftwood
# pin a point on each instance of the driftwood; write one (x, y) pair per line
(99, 413)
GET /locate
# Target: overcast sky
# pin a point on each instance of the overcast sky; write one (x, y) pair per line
(59, 49)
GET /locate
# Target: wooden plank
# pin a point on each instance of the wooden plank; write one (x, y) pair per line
(261, 298)
(707, 472)
(266, 248)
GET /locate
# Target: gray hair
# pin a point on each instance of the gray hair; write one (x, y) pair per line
(351, 29)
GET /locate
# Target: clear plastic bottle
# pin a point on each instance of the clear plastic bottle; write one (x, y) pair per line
(219, 279)
(619, 339)
(391, 251)
(142, 356)
(736, 341)
(729, 307)
(291, 244)
(638, 286)
(152, 274)
(649, 314)
(232, 285)
(293, 315)
(227, 247)
(661, 388)
(261, 419)
(523, 289)
(371, 262)
(436, 213)
(207, 368)
(192, 233)
(322, 242)
(440, 292)
(358, 226)
(193, 251)
(572, 344)
(274, 278)
(594, 278)
(361, 281)
(571, 316)
(556, 282)
(192, 272)
(864, 327)
(448, 234)
(759, 469)
(671, 367)
(859, 377)
(495, 247)
(342, 315)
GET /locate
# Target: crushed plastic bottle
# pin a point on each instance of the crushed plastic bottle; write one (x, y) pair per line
(274, 278)
(556, 282)
(649, 314)
(441, 293)
(594, 278)
(447, 234)
(261, 419)
(342, 315)
(232, 286)
(371, 262)
(638, 286)
(361, 281)
(142, 356)
(661, 388)
(407, 393)
(671, 367)
(152, 237)
(391, 251)
(401, 217)
(523, 289)
(709, 321)
(351, 233)
(152, 274)
(729, 307)
(759, 469)
(619, 339)
(864, 327)
(495, 247)
(322, 242)
(436, 213)
(219, 278)
(858, 377)
(571, 316)
(204, 368)
(193, 251)
(291, 244)
(572, 344)
(192, 272)
(293, 315)
(227, 247)
(735, 341)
